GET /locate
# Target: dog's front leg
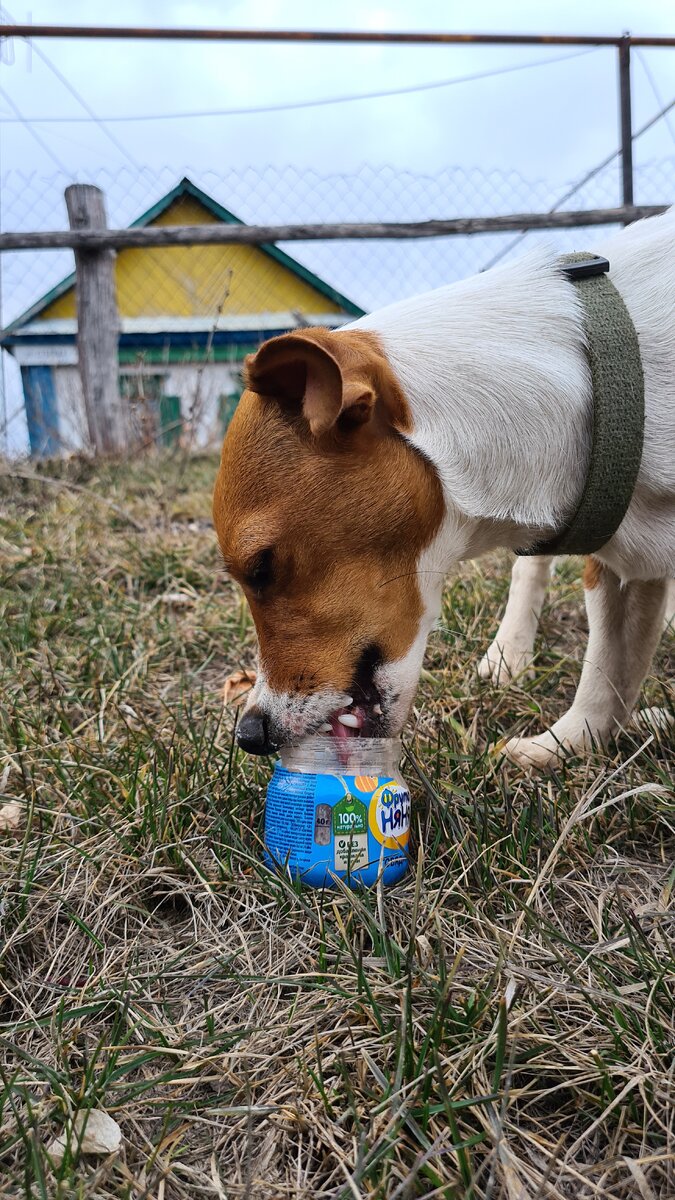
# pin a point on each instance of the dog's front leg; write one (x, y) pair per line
(625, 622)
(512, 651)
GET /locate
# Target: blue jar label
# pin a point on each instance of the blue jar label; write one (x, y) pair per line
(322, 826)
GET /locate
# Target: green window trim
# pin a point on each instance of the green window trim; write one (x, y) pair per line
(170, 421)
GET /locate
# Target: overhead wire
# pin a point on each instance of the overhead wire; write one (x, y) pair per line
(91, 115)
(28, 124)
(316, 103)
(576, 187)
(102, 122)
(654, 86)
(99, 121)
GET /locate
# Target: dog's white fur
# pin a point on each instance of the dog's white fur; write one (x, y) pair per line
(495, 373)
(511, 653)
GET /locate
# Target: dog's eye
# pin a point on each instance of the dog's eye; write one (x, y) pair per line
(260, 571)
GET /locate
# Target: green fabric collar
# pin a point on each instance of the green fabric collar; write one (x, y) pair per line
(618, 412)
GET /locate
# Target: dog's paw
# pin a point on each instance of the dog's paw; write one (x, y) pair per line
(502, 663)
(535, 753)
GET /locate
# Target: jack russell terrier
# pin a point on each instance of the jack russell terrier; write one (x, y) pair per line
(362, 464)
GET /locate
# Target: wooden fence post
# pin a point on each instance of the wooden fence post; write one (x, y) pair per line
(97, 326)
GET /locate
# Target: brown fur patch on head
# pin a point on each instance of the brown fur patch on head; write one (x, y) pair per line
(339, 520)
(336, 380)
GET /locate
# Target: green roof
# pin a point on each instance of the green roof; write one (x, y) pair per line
(187, 188)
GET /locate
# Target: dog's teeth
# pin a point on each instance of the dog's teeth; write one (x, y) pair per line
(349, 720)
(348, 701)
(377, 709)
(325, 728)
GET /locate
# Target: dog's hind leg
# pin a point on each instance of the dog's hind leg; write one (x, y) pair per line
(512, 651)
(657, 719)
(625, 623)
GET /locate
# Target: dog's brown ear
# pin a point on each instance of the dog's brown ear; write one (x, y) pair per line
(306, 369)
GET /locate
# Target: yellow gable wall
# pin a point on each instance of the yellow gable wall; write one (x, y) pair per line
(195, 281)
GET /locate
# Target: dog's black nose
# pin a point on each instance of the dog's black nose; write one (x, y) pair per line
(253, 733)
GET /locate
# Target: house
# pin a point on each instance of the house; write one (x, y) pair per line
(189, 315)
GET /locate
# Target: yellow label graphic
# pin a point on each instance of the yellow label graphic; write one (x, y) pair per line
(365, 783)
(389, 815)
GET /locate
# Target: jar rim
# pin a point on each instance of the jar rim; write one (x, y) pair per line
(322, 753)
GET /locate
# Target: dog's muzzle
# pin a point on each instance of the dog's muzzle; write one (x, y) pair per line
(253, 733)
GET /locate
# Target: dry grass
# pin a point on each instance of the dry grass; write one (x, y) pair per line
(499, 1027)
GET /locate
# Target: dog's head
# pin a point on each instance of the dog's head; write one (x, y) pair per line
(323, 510)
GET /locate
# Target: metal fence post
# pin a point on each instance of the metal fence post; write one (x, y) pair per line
(97, 326)
(626, 121)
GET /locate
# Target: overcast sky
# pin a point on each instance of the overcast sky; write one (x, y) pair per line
(551, 121)
(551, 118)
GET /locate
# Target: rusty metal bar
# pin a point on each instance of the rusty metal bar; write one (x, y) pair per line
(324, 35)
(626, 122)
(256, 235)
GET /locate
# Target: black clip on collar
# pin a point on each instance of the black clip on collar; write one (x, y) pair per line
(586, 268)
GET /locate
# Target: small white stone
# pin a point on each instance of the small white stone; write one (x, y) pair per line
(11, 815)
(101, 1135)
(177, 599)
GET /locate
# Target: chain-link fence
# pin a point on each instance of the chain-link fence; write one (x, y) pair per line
(371, 273)
(181, 305)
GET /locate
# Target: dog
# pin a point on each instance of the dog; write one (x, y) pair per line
(361, 464)
(510, 656)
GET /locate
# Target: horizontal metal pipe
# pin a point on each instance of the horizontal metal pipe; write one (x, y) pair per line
(324, 35)
(222, 234)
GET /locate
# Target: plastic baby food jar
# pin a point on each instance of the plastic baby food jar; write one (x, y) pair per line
(339, 809)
